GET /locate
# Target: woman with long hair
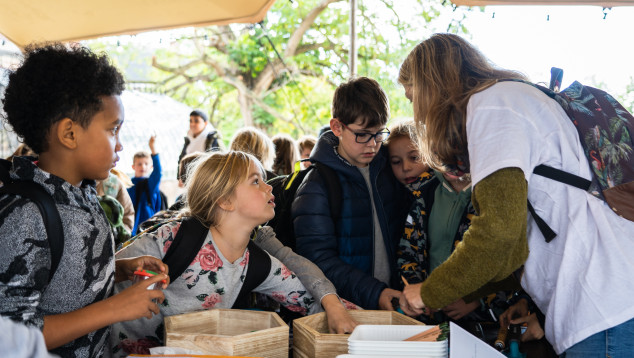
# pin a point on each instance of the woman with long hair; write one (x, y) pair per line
(473, 117)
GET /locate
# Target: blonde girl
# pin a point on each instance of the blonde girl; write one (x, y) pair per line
(227, 196)
(253, 141)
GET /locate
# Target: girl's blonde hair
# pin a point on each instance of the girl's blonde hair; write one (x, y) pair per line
(254, 141)
(214, 177)
(405, 128)
(443, 72)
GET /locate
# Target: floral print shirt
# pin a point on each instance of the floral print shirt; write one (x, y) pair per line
(210, 281)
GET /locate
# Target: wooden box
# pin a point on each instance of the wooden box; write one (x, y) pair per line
(312, 340)
(229, 332)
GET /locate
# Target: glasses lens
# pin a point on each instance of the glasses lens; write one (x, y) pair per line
(363, 137)
(382, 136)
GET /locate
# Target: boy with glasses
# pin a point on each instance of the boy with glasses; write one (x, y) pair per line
(357, 250)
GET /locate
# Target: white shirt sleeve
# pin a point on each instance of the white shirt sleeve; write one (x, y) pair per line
(20, 341)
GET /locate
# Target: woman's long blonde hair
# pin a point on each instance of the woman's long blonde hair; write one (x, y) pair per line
(214, 177)
(443, 72)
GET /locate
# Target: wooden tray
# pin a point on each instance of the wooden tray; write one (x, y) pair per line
(312, 340)
(229, 332)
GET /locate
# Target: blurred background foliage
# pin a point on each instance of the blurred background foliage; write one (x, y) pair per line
(280, 74)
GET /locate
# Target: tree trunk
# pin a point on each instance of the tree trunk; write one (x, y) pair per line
(246, 108)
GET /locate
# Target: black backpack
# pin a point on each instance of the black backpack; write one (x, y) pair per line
(284, 189)
(143, 187)
(45, 203)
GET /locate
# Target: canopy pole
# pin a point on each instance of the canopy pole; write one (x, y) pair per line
(353, 38)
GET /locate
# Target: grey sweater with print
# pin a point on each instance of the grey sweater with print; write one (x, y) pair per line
(86, 271)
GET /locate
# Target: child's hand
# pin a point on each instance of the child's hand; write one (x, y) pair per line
(533, 330)
(459, 308)
(136, 301)
(520, 309)
(385, 299)
(124, 269)
(151, 143)
(339, 320)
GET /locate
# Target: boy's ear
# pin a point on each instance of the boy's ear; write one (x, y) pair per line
(66, 133)
(335, 127)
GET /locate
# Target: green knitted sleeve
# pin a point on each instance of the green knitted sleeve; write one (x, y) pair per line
(494, 246)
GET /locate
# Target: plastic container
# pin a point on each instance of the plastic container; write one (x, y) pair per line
(389, 341)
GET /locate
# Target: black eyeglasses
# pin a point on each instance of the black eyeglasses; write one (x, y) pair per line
(361, 137)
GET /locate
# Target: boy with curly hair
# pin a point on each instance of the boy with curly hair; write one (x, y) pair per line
(65, 104)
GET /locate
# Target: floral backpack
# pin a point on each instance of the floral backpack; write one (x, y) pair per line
(605, 130)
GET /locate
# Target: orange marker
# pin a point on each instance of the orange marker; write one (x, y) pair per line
(404, 281)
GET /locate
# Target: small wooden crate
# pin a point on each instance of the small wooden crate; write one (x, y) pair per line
(229, 332)
(312, 340)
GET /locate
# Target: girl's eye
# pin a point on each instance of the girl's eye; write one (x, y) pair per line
(396, 162)
(256, 181)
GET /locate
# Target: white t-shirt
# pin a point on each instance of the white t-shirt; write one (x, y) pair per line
(582, 280)
(198, 144)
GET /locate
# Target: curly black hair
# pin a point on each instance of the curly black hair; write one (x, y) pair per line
(56, 82)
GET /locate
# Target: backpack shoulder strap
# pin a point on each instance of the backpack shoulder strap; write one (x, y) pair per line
(562, 176)
(188, 241)
(211, 141)
(333, 187)
(257, 271)
(141, 187)
(46, 205)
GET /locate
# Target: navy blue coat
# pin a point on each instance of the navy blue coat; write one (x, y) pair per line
(343, 248)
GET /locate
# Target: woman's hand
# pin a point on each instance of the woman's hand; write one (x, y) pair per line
(124, 268)
(459, 308)
(137, 301)
(520, 309)
(411, 302)
(339, 320)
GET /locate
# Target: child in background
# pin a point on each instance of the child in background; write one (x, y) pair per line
(115, 188)
(357, 249)
(201, 137)
(145, 193)
(306, 145)
(228, 197)
(64, 102)
(253, 141)
(437, 221)
(286, 154)
(183, 171)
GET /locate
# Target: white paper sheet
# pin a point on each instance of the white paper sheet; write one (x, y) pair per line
(463, 344)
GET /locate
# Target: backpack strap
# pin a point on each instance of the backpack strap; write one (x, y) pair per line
(560, 176)
(46, 205)
(183, 250)
(333, 187)
(556, 76)
(211, 142)
(142, 186)
(257, 271)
